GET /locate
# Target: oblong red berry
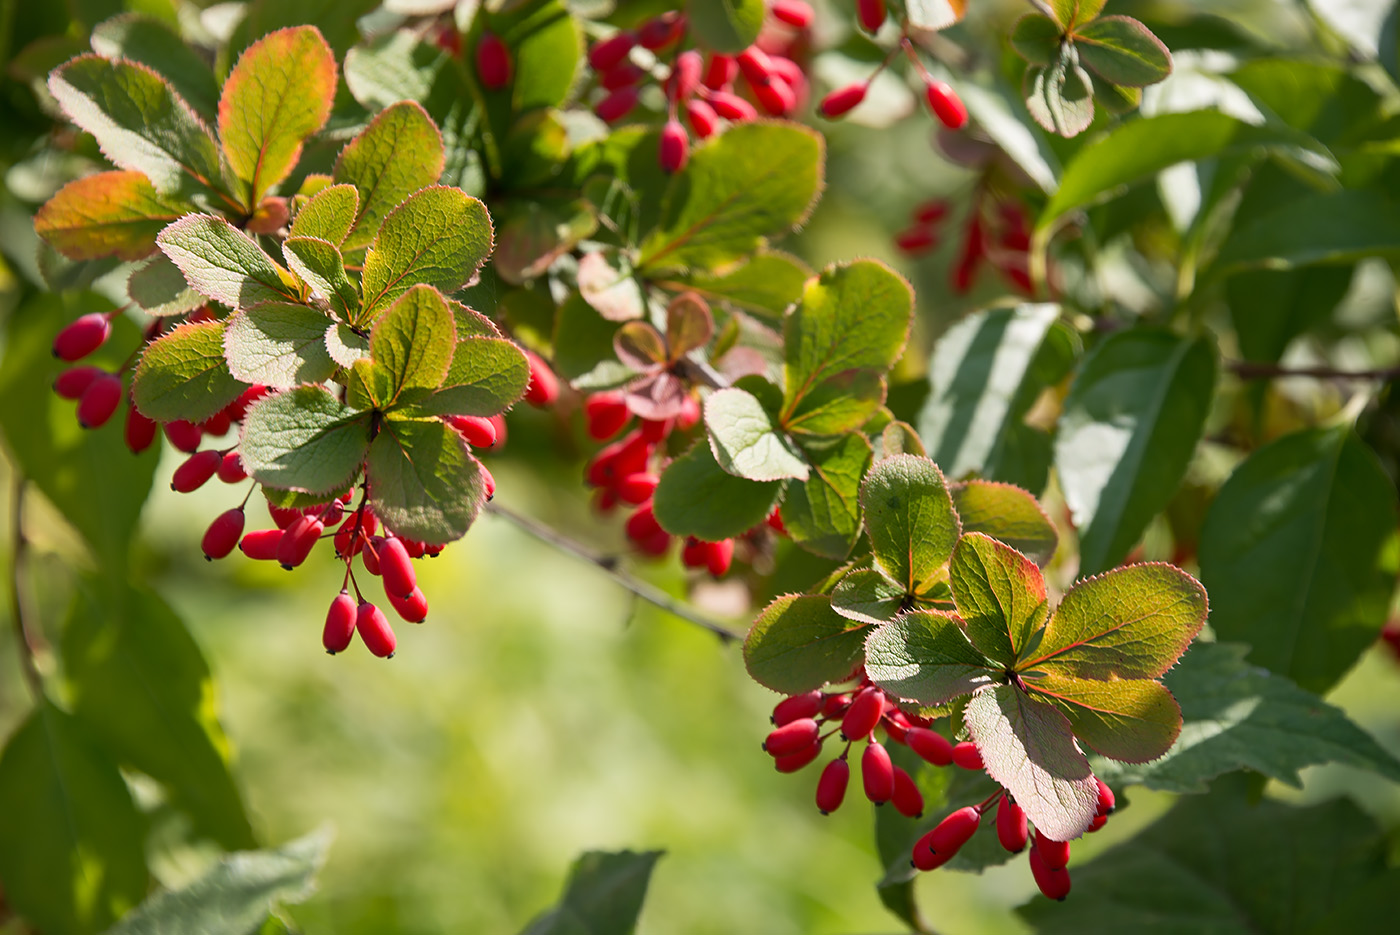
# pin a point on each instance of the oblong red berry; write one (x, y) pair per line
(370, 556)
(298, 540)
(1054, 853)
(731, 106)
(776, 96)
(642, 524)
(478, 432)
(638, 488)
(617, 104)
(488, 482)
(871, 14)
(223, 534)
(1053, 883)
(606, 414)
(239, 407)
(374, 629)
(967, 755)
(340, 624)
(877, 773)
(896, 723)
(1107, 802)
(217, 425)
(842, 100)
(544, 385)
(694, 554)
(946, 105)
(924, 857)
(625, 75)
(720, 71)
(719, 556)
(660, 31)
(194, 472)
(795, 13)
(71, 383)
(931, 212)
(1012, 830)
(231, 468)
(797, 706)
(261, 544)
(413, 608)
(139, 431)
(929, 744)
(609, 52)
(835, 705)
(493, 64)
(953, 832)
(685, 76)
(83, 336)
(655, 544)
(792, 737)
(795, 761)
(916, 240)
(831, 787)
(907, 798)
(675, 147)
(863, 714)
(185, 436)
(397, 568)
(755, 65)
(1098, 822)
(703, 119)
(99, 400)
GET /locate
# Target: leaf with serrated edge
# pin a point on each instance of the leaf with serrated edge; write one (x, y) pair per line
(909, 519)
(486, 377)
(1028, 747)
(144, 39)
(399, 153)
(743, 439)
(823, 513)
(278, 94)
(328, 214)
(696, 497)
(1133, 720)
(999, 593)
(183, 375)
(223, 263)
(471, 323)
(304, 439)
(1129, 623)
(1123, 51)
(344, 345)
(108, 214)
(279, 345)
(1009, 514)
(414, 340)
(423, 482)
(799, 644)
(438, 237)
(318, 263)
(159, 288)
(867, 596)
(925, 656)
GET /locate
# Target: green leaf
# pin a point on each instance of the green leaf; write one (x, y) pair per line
(603, 896)
(854, 317)
(236, 894)
(108, 214)
(583, 346)
(327, 215)
(986, 373)
(65, 461)
(546, 43)
(159, 288)
(1000, 596)
(868, 597)
(278, 94)
(183, 375)
(1131, 623)
(727, 26)
(1129, 429)
(744, 442)
(758, 180)
(1295, 552)
(1009, 514)
(1326, 227)
(486, 377)
(1028, 747)
(304, 439)
(1036, 38)
(279, 345)
(822, 514)
(397, 154)
(1269, 308)
(1122, 51)
(765, 286)
(318, 263)
(799, 644)
(423, 482)
(438, 237)
(149, 42)
(925, 656)
(369, 385)
(1139, 149)
(1072, 13)
(1239, 716)
(1060, 97)
(696, 497)
(899, 438)
(139, 121)
(415, 340)
(840, 404)
(909, 519)
(1222, 863)
(72, 845)
(1133, 720)
(223, 263)
(138, 679)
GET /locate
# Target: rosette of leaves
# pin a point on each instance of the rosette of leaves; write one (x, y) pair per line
(661, 386)
(1077, 57)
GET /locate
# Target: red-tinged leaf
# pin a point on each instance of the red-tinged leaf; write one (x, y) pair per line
(108, 214)
(1007, 513)
(910, 520)
(926, 657)
(1131, 720)
(399, 152)
(1131, 623)
(799, 643)
(999, 593)
(278, 94)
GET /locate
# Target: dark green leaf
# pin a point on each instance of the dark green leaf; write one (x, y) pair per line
(183, 374)
(159, 288)
(799, 644)
(487, 375)
(822, 514)
(1037, 39)
(1269, 308)
(396, 155)
(728, 26)
(765, 286)
(304, 439)
(546, 43)
(744, 442)
(1122, 51)
(603, 896)
(909, 519)
(926, 657)
(1327, 227)
(414, 340)
(223, 263)
(279, 345)
(423, 482)
(1000, 596)
(696, 497)
(318, 263)
(150, 42)
(329, 214)
(1009, 514)
(1132, 720)
(867, 596)
(583, 346)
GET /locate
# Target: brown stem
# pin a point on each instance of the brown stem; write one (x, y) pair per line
(1257, 370)
(19, 547)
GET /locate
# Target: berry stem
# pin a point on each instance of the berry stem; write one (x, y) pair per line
(19, 549)
(989, 801)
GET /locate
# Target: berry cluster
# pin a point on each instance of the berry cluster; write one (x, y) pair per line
(942, 100)
(996, 232)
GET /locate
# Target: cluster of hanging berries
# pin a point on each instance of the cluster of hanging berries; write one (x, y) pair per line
(997, 232)
(942, 100)
(700, 87)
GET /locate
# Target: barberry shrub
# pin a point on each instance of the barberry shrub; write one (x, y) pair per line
(1008, 559)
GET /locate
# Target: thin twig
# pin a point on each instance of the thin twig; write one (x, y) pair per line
(609, 565)
(1256, 370)
(19, 547)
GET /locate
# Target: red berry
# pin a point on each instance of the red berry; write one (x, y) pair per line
(842, 100)
(877, 773)
(185, 436)
(732, 107)
(703, 119)
(283, 516)
(413, 608)
(606, 414)
(655, 545)
(544, 385)
(608, 53)
(625, 75)
(694, 554)
(907, 798)
(1053, 883)
(916, 240)
(370, 556)
(954, 831)
(1098, 822)
(488, 481)
(831, 787)
(139, 432)
(478, 432)
(99, 400)
(223, 534)
(1011, 825)
(217, 425)
(1054, 853)
(82, 337)
(195, 471)
(967, 755)
(637, 488)
(792, 737)
(661, 31)
(863, 714)
(374, 629)
(340, 624)
(720, 71)
(1107, 802)
(239, 407)
(896, 724)
(795, 13)
(755, 65)
(685, 76)
(776, 96)
(946, 105)
(675, 147)
(871, 14)
(493, 63)
(834, 706)
(931, 212)
(396, 567)
(929, 744)
(71, 383)
(720, 555)
(231, 468)
(617, 105)
(298, 540)
(642, 524)
(795, 761)
(797, 706)
(261, 544)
